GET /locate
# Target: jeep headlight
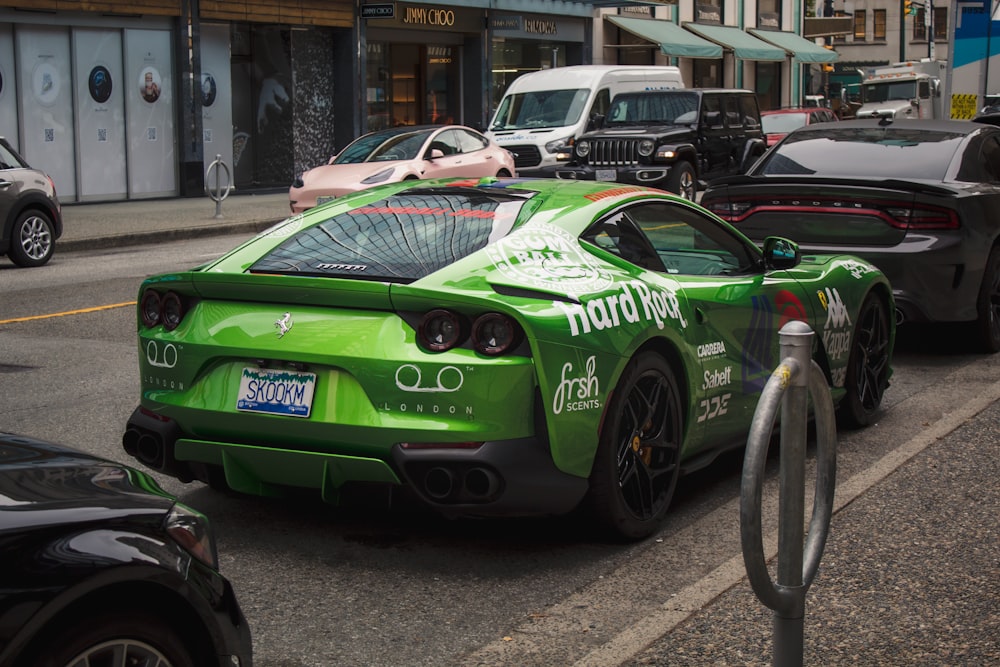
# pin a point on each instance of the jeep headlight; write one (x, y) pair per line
(583, 148)
(646, 147)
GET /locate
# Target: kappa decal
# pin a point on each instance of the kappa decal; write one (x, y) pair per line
(837, 329)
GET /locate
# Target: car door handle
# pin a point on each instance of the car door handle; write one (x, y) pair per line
(6, 184)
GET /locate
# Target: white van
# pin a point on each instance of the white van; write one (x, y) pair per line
(543, 112)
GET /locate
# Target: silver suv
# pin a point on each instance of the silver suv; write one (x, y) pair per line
(29, 210)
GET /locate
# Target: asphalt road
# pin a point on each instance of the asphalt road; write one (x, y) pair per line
(909, 576)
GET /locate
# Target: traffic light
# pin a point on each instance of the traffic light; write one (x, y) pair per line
(908, 7)
(827, 67)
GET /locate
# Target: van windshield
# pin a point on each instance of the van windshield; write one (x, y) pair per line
(541, 108)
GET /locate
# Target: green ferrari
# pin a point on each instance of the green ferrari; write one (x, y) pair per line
(499, 347)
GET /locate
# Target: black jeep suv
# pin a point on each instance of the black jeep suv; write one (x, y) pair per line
(676, 140)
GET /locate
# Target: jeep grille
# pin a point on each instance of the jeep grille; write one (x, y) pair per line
(613, 152)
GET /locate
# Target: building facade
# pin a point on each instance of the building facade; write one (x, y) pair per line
(127, 101)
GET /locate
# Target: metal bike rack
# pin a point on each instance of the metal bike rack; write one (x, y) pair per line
(791, 384)
(221, 192)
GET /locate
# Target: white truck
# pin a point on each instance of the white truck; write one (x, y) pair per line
(910, 89)
(973, 80)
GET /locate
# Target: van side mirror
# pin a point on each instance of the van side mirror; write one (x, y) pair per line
(596, 122)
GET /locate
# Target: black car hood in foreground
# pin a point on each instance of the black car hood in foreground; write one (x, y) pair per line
(43, 483)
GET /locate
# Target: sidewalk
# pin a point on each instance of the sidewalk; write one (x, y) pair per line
(115, 224)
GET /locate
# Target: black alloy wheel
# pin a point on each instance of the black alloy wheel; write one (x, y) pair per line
(638, 455)
(988, 305)
(868, 365)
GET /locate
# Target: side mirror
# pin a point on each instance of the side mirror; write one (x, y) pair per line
(781, 253)
(434, 153)
(596, 122)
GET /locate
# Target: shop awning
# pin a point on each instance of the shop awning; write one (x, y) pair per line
(804, 50)
(673, 39)
(744, 46)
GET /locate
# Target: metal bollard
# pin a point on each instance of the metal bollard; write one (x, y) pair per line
(790, 385)
(220, 192)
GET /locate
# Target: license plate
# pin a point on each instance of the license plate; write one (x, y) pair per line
(276, 392)
(605, 175)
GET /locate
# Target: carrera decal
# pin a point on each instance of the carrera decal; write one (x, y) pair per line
(548, 258)
(635, 302)
(577, 391)
(837, 329)
(712, 350)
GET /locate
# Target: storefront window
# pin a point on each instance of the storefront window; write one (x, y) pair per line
(514, 57)
(707, 73)
(411, 84)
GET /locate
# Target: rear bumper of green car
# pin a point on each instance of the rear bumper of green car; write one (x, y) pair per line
(515, 477)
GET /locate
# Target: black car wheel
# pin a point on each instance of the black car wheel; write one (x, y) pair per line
(682, 181)
(637, 463)
(988, 306)
(868, 365)
(118, 638)
(32, 240)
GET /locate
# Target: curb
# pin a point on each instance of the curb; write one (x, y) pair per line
(141, 238)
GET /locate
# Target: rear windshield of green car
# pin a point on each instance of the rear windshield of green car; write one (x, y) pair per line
(398, 239)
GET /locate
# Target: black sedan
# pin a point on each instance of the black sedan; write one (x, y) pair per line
(917, 198)
(101, 567)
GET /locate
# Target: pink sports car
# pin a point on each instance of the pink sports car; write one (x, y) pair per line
(399, 154)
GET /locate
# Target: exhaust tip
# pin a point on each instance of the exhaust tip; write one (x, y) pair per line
(439, 483)
(149, 450)
(481, 482)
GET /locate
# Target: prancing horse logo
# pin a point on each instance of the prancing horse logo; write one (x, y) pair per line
(284, 324)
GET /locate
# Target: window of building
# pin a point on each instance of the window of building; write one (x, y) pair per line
(940, 26)
(840, 39)
(878, 20)
(860, 26)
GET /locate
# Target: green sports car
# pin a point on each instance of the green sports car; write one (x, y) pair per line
(498, 346)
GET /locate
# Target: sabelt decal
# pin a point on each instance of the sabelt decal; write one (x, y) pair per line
(576, 391)
(635, 302)
(717, 378)
(837, 329)
(548, 258)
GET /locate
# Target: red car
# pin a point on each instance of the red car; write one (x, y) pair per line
(779, 122)
(399, 154)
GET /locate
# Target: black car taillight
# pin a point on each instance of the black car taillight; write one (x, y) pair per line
(149, 307)
(171, 311)
(440, 330)
(493, 334)
(166, 309)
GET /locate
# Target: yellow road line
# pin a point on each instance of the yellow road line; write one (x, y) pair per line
(80, 311)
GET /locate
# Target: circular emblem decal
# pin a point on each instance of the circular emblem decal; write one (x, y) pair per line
(100, 84)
